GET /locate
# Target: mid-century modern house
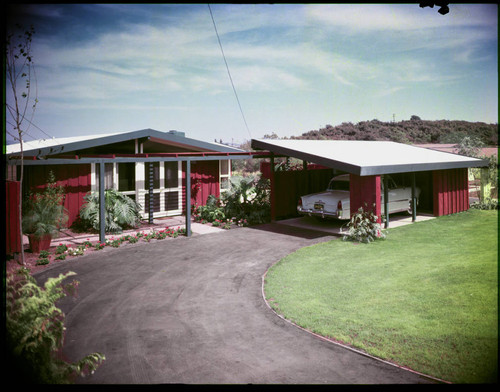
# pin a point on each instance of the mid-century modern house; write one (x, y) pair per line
(167, 173)
(132, 178)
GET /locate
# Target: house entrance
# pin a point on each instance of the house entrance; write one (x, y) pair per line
(166, 181)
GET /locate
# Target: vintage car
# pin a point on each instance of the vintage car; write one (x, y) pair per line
(334, 202)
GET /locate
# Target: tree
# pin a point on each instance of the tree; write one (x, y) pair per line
(19, 70)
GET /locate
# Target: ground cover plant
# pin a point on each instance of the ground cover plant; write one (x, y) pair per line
(425, 298)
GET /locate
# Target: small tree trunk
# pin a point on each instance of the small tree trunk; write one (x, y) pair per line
(23, 262)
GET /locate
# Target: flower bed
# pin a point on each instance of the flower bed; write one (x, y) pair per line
(37, 262)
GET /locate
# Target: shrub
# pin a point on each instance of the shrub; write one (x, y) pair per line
(363, 227)
(44, 213)
(78, 251)
(488, 204)
(99, 246)
(120, 211)
(61, 248)
(210, 212)
(248, 199)
(42, 261)
(35, 331)
(44, 254)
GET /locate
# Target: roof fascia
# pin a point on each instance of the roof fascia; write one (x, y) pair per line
(411, 168)
(186, 141)
(368, 170)
(121, 137)
(353, 169)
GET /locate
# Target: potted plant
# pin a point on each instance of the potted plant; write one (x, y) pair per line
(43, 215)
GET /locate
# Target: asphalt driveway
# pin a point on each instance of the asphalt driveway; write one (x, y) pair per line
(191, 310)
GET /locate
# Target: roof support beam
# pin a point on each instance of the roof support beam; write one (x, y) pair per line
(413, 198)
(386, 201)
(188, 198)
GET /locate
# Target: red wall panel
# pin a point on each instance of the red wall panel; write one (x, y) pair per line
(13, 239)
(74, 178)
(451, 191)
(204, 182)
(366, 189)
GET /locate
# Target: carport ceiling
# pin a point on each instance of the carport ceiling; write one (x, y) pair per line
(367, 158)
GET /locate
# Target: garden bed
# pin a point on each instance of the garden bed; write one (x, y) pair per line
(78, 244)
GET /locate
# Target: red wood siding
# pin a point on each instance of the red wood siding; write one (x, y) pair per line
(13, 239)
(367, 190)
(204, 182)
(74, 178)
(451, 191)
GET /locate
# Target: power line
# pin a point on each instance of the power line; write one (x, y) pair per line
(228, 72)
(31, 123)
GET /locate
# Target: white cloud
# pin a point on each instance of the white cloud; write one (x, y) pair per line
(369, 17)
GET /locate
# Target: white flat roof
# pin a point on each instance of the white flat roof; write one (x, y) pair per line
(51, 142)
(367, 157)
(51, 146)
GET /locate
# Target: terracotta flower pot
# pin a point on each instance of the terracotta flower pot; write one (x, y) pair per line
(39, 243)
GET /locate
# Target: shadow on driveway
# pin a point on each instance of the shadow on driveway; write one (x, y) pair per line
(191, 310)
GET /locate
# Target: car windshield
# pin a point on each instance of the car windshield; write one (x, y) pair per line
(338, 185)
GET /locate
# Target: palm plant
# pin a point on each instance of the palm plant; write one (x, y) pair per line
(120, 211)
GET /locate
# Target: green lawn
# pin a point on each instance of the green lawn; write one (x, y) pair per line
(424, 298)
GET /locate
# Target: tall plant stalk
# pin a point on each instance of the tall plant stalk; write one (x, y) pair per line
(20, 68)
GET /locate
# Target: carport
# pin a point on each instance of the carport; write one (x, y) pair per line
(444, 175)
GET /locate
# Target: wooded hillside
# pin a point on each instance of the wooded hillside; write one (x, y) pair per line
(414, 131)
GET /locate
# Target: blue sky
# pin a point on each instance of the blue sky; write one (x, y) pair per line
(124, 67)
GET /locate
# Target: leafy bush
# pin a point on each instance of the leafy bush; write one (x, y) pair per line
(120, 211)
(245, 202)
(35, 331)
(211, 211)
(363, 227)
(488, 204)
(44, 213)
(248, 199)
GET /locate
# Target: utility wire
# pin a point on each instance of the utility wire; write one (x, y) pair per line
(31, 123)
(228, 72)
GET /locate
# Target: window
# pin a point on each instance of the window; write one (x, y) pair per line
(126, 177)
(171, 201)
(156, 175)
(225, 173)
(171, 174)
(156, 202)
(108, 175)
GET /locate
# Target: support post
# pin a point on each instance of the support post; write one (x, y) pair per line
(188, 198)
(273, 193)
(413, 198)
(102, 211)
(386, 202)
